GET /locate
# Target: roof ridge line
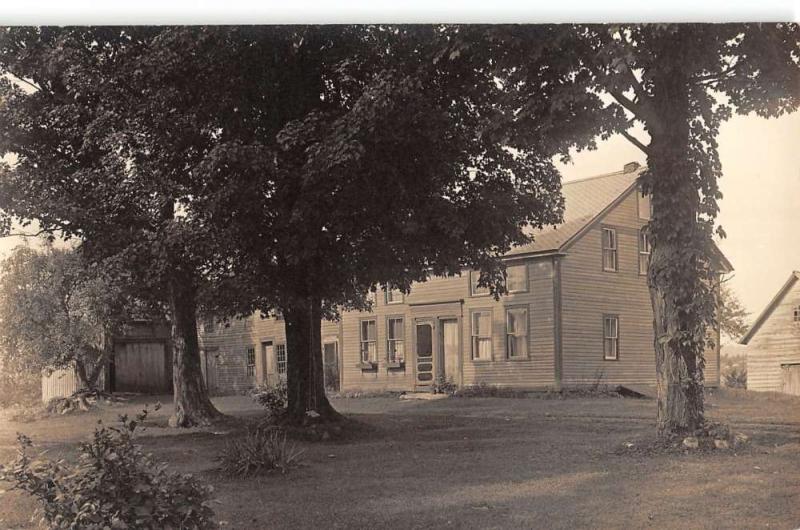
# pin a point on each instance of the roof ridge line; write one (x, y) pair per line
(604, 175)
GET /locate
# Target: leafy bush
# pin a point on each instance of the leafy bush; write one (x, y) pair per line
(484, 390)
(273, 398)
(735, 377)
(444, 386)
(261, 450)
(113, 485)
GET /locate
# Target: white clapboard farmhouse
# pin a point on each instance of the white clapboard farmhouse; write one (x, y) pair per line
(578, 312)
(773, 343)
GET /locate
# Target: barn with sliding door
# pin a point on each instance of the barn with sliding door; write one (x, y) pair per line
(773, 343)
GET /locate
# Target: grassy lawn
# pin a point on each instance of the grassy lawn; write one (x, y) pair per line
(484, 463)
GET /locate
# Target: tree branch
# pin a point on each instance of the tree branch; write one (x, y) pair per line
(632, 139)
(24, 234)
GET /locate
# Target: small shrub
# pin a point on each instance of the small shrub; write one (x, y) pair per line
(735, 376)
(444, 386)
(261, 450)
(484, 390)
(273, 398)
(113, 485)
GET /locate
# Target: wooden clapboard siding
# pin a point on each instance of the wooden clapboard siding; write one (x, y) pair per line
(588, 293)
(62, 382)
(776, 342)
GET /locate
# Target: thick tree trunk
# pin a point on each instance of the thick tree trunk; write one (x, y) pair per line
(192, 405)
(677, 263)
(304, 377)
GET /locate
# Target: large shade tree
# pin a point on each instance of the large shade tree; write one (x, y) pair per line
(65, 118)
(679, 82)
(348, 157)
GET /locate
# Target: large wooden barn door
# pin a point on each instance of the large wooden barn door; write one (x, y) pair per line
(790, 379)
(140, 367)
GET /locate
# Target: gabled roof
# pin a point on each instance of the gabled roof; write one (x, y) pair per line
(793, 277)
(584, 201)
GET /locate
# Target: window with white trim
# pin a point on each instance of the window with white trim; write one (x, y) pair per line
(369, 333)
(517, 278)
(280, 358)
(482, 335)
(609, 249)
(610, 337)
(474, 290)
(395, 340)
(644, 251)
(251, 361)
(394, 296)
(517, 332)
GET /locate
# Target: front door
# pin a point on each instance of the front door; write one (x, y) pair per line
(447, 361)
(424, 351)
(330, 365)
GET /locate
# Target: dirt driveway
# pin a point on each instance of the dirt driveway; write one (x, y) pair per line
(486, 463)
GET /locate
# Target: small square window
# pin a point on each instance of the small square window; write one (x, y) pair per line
(394, 296)
(473, 282)
(796, 315)
(517, 278)
(209, 324)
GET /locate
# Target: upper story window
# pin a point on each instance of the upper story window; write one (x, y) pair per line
(610, 337)
(517, 332)
(517, 278)
(394, 296)
(644, 251)
(482, 335)
(209, 324)
(251, 360)
(796, 315)
(609, 249)
(474, 290)
(369, 337)
(248, 323)
(645, 206)
(372, 298)
(395, 340)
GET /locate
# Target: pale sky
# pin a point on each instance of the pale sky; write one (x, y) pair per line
(760, 210)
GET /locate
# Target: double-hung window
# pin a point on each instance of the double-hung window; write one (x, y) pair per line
(517, 278)
(609, 249)
(280, 358)
(395, 343)
(209, 325)
(482, 335)
(610, 337)
(796, 315)
(251, 361)
(369, 335)
(644, 251)
(517, 332)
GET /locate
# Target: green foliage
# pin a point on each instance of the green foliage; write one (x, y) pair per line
(734, 371)
(273, 398)
(58, 312)
(113, 485)
(444, 386)
(483, 389)
(733, 317)
(260, 450)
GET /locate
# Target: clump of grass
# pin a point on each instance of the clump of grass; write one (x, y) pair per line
(259, 451)
(485, 390)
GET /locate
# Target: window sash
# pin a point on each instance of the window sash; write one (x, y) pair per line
(644, 251)
(797, 314)
(280, 358)
(251, 361)
(610, 337)
(481, 330)
(394, 296)
(474, 290)
(609, 249)
(368, 340)
(395, 340)
(517, 332)
(517, 278)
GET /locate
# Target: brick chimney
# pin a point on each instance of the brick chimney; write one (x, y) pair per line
(630, 167)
